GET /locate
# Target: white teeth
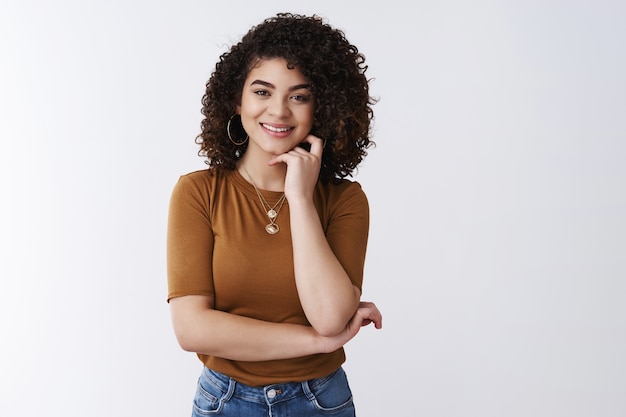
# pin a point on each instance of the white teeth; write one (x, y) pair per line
(276, 129)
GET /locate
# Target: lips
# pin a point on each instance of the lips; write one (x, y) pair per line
(276, 129)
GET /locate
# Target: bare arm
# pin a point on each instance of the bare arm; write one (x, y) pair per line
(201, 329)
(327, 294)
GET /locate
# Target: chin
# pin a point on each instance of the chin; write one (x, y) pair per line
(279, 148)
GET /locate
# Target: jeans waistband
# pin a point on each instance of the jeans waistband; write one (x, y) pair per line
(269, 394)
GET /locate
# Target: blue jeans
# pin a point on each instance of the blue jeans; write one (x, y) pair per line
(220, 395)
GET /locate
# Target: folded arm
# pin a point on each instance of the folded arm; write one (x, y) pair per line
(327, 263)
(201, 329)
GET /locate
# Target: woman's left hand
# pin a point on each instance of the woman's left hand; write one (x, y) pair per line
(303, 168)
(366, 314)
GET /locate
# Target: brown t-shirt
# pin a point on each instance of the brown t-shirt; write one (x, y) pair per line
(217, 245)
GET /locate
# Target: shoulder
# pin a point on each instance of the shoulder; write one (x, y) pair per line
(341, 187)
(201, 179)
(342, 192)
(199, 184)
(203, 176)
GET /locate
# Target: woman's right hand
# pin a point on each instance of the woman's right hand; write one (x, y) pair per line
(367, 313)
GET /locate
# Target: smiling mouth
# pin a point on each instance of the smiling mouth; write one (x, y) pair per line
(276, 129)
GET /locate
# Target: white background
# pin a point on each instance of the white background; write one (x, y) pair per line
(497, 190)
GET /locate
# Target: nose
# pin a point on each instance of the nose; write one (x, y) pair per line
(279, 107)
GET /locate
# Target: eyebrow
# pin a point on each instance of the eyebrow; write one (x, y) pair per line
(270, 85)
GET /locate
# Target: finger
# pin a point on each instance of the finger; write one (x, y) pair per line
(368, 311)
(298, 150)
(286, 157)
(378, 321)
(377, 318)
(282, 158)
(317, 145)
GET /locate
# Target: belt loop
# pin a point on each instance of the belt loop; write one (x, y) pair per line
(231, 389)
(307, 390)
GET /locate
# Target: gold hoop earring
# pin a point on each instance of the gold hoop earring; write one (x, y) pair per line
(229, 134)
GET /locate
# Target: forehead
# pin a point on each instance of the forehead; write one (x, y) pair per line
(275, 70)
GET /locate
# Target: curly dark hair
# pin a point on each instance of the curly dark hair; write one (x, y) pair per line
(335, 71)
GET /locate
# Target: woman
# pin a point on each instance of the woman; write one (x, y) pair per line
(266, 247)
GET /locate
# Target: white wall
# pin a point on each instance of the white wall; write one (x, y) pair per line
(497, 252)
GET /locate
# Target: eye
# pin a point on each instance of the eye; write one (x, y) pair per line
(261, 92)
(301, 97)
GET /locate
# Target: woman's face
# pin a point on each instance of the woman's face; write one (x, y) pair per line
(276, 108)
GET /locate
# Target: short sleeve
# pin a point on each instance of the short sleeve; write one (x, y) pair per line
(189, 240)
(348, 229)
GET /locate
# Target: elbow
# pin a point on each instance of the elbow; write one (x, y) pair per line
(328, 332)
(332, 322)
(187, 315)
(186, 333)
(329, 328)
(185, 342)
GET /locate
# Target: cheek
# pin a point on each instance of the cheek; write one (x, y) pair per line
(307, 116)
(249, 112)
(248, 123)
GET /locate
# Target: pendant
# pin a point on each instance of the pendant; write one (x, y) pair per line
(272, 228)
(272, 214)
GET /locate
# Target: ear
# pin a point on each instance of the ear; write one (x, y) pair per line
(238, 109)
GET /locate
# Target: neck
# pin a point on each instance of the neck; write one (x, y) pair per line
(264, 176)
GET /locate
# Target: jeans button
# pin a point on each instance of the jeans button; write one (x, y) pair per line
(271, 393)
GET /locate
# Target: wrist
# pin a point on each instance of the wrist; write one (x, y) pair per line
(316, 342)
(323, 344)
(296, 201)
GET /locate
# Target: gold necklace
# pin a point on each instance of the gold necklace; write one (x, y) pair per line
(271, 211)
